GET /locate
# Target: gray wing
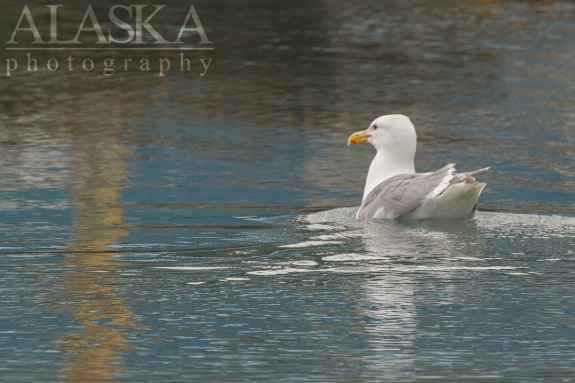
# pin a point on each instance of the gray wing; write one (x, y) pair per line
(401, 194)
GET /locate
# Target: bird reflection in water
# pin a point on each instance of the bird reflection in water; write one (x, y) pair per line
(412, 251)
(399, 255)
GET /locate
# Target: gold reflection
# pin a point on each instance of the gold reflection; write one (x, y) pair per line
(90, 289)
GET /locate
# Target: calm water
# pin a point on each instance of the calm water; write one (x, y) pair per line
(199, 228)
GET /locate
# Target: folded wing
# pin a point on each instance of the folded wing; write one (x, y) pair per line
(401, 195)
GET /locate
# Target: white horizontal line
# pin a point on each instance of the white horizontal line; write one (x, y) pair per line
(109, 49)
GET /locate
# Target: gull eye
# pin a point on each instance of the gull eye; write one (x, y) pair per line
(374, 127)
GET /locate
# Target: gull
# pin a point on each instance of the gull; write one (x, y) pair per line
(394, 190)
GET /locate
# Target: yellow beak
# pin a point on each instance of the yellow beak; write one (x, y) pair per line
(357, 137)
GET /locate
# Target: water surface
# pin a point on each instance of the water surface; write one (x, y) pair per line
(200, 228)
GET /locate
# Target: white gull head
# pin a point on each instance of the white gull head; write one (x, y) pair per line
(395, 140)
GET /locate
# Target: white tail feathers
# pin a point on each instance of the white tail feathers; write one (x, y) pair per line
(478, 171)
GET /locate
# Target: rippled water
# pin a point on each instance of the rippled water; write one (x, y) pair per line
(200, 228)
